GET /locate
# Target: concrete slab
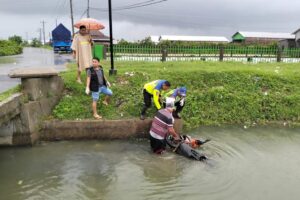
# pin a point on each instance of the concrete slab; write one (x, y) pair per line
(33, 72)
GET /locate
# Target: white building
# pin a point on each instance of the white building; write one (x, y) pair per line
(155, 38)
(200, 39)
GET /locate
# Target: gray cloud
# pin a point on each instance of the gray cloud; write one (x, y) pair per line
(193, 17)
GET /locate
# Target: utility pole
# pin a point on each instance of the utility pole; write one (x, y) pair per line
(40, 30)
(27, 39)
(44, 36)
(112, 70)
(72, 19)
(88, 9)
(50, 38)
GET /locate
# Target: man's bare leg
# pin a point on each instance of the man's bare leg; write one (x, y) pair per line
(79, 76)
(106, 100)
(95, 113)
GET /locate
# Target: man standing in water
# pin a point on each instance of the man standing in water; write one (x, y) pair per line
(82, 50)
(162, 125)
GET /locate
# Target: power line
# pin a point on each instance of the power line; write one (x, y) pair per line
(132, 6)
(142, 5)
(60, 7)
(83, 13)
(141, 17)
(136, 4)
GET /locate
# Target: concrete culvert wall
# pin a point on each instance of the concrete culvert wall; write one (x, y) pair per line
(93, 129)
(22, 114)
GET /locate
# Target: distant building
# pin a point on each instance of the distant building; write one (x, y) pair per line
(99, 37)
(200, 39)
(291, 43)
(154, 39)
(260, 37)
(297, 37)
(287, 43)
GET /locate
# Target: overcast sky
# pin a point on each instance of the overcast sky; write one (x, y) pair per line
(176, 17)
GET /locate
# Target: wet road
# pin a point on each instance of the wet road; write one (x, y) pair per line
(31, 57)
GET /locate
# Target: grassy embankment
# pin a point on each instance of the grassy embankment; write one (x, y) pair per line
(218, 93)
(8, 48)
(8, 93)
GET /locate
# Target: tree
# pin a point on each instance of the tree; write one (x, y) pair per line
(25, 43)
(36, 43)
(123, 42)
(147, 42)
(17, 39)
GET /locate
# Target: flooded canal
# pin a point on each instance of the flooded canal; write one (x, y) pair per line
(255, 163)
(31, 57)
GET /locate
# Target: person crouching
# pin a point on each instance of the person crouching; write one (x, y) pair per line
(162, 125)
(97, 83)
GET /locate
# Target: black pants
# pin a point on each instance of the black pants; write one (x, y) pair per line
(157, 146)
(147, 101)
(177, 105)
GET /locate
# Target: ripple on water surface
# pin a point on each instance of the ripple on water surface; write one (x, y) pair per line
(243, 164)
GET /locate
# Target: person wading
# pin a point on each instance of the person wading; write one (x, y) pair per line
(162, 125)
(153, 89)
(82, 50)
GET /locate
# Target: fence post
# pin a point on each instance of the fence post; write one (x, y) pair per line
(164, 54)
(221, 53)
(279, 54)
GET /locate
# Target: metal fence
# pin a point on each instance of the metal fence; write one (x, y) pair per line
(205, 53)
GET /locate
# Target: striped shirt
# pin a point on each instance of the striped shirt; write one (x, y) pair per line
(160, 124)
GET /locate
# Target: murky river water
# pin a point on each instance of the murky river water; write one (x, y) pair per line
(254, 164)
(31, 57)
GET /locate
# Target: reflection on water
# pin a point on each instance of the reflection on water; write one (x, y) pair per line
(256, 163)
(6, 60)
(31, 57)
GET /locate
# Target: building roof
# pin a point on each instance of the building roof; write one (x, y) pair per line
(266, 35)
(194, 38)
(98, 36)
(296, 31)
(155, 38)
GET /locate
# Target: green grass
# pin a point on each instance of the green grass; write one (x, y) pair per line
(218, 93)
(8, 48)
(47, 47)
(9, 92)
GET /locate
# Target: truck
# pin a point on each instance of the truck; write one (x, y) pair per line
(61, 39)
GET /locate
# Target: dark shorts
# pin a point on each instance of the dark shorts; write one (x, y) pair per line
(157, 146)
